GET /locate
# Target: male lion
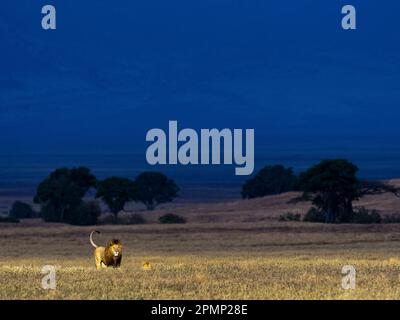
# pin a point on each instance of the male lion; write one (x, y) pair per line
(107, 256)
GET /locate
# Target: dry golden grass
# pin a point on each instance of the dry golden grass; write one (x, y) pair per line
(231, 250)
(265, 260)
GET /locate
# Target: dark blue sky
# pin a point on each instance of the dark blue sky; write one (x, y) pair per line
(110, 72)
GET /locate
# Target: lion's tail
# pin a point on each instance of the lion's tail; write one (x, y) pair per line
(91, 240)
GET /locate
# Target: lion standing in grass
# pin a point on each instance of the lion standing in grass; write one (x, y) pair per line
(107, 256)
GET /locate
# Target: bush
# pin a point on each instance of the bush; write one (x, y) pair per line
(21, 210)
(314, 215)
(86, 214)
(363, 215)
(132, 219)
(289, 216)
(171, 218)
(8, 220)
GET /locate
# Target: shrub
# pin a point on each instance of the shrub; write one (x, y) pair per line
(363, 215)
(86, 214)
(8, 220)
(171, 218)
(21, 210)
(314, 215)
(289, 216)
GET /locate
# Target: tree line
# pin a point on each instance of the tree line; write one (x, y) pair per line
(61, 194)
(331, 186)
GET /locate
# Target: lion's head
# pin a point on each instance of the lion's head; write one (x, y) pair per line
(115, 247)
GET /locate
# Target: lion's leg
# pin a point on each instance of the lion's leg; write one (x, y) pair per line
(98, 261)
(118, 262)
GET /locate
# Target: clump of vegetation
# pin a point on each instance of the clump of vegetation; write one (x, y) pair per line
(314, 215)
(289, 216)
(8, 220)
(269, 181)
(86, 214)
(171, 218)
(362, 215)
(22, 210)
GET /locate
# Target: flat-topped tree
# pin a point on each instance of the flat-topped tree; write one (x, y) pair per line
(332, 186)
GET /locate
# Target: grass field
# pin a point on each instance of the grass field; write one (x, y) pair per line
(246, 260)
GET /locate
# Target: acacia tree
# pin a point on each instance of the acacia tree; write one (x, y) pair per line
(62, 191)
(116, 192)
(154, 188)
(332, 186)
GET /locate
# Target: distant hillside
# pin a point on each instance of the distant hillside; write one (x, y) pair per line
(253, 210)
(268, 208)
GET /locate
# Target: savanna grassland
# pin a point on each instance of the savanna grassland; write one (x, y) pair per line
(225, 251)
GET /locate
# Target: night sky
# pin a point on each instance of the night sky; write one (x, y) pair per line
(113, 70)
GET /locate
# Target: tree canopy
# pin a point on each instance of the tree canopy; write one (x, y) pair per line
(332, 186)
(116, 192)
(154, 188)
(62, 192)
(269, 181)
